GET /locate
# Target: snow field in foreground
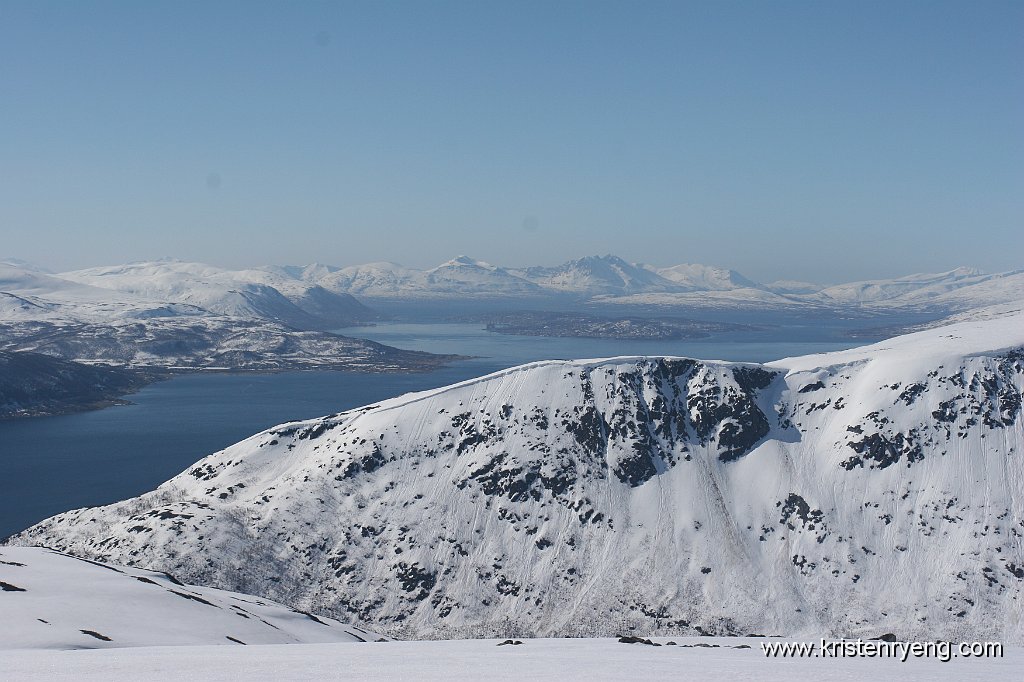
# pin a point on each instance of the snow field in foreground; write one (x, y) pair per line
(454, 660)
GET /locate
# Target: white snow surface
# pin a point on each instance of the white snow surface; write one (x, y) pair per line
(852, 493)
(556, 660)
(51, 600)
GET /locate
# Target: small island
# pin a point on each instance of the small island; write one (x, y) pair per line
(606, 327)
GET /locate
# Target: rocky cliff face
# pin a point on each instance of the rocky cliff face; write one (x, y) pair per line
(855, 493)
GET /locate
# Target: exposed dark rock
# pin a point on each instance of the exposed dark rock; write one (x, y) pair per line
(628, 639)
(93, 633)
(880, 451)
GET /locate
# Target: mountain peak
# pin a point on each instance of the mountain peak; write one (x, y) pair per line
(465, 260)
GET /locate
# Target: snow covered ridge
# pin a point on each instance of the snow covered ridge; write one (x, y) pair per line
(845, 494)
(54, 601)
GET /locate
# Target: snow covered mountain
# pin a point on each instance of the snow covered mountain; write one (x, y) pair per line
(581, 278)
(958, 289)
(475, 277)
(706, 278)
(595, 275)
(853, 493)
(28, 292)
(266, 294)
(54, 601)
(460, 277)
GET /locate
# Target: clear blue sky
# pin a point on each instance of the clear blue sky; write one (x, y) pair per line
(805, 140)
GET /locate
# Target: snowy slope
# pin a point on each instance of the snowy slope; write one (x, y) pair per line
(371, 279)
(961, 288)
(555, 660)
(872, 490)
(27, 294)
(871, 291)
(54, 601)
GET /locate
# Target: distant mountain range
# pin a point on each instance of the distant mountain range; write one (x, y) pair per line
(321, 296)
(612, 280)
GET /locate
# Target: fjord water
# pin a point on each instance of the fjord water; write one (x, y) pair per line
(53, 464)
